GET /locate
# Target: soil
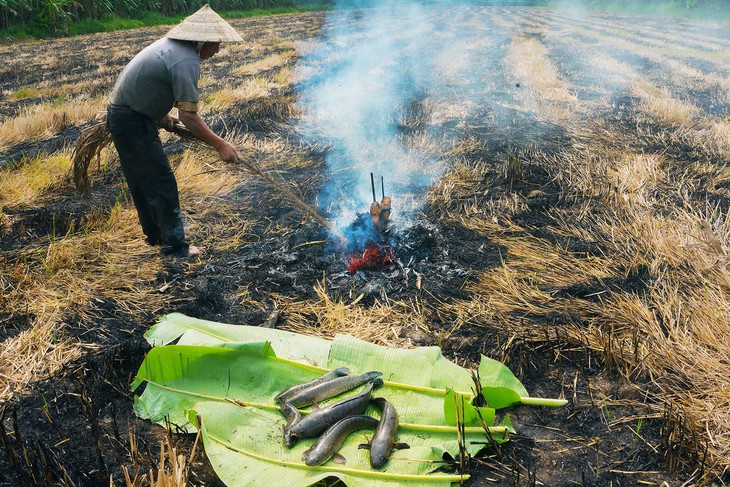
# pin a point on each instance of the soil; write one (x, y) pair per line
(75, 428)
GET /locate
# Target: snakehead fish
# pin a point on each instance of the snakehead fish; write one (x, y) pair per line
(293, 416)
(283, 395)
(318, 421)
(332, 439)
(384, 437)
(330, 388)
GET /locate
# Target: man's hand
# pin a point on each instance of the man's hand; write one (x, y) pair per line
(200, 129)
(226, 151)
(169, 122)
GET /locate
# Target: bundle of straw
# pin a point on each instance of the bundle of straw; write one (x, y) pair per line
(90, 144)
(96, 137)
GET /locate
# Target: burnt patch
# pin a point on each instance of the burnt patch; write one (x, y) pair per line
(17, 153)
(58, 217)
(13, 323)
(260, 116)
(31, 223)
(602, 417)
(210, 297)
(438, 259)
(635, 281)
(83, 413)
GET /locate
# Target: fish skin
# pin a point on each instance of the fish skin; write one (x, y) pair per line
(331, 388)
(290, 391)
(384, 437)
(293, 417)
(318, 421)
(331, 440)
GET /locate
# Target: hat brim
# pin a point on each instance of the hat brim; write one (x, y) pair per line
(205, 26)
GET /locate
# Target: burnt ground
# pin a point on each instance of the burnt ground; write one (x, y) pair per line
(75, 427)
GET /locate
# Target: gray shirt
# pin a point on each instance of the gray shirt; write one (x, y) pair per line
(162, 75)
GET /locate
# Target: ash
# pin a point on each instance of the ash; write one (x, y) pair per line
(433, 259)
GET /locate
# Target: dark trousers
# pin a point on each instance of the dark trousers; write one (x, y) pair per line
(149, 177)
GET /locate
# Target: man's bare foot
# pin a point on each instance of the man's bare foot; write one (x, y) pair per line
(194, 251)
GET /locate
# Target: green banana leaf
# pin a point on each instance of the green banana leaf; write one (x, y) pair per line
(428, 368)
(177, 376)
(193, 331)
(228, 375)
(459, 407)
(232, 390)
(249, 454)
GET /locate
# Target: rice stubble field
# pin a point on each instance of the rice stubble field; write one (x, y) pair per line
(575, 226)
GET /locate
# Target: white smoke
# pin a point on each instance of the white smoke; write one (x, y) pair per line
(372, 64)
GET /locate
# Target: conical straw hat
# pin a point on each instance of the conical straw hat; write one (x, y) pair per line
(205, 26)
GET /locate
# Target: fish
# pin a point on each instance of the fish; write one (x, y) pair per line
(293, 417)
(331, 388)
(331, 440)
(318, 421)
(283, 395)
(384, 437)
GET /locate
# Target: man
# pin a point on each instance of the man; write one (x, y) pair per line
(165, 75)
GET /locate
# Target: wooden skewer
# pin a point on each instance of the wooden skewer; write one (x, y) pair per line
(372, 183)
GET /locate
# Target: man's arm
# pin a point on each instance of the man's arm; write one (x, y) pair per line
(200, 129)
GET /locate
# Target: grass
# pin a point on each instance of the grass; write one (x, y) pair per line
(62, 275)
(266, 64)
(544, 87)
(667, 109)
(33, 178)
(639, 334)
(388, 323)
(249, 90)
(708, 11)
(24, 92)
(112, 22)
(173, 469)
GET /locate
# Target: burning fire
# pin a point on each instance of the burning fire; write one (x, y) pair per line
(375, 256)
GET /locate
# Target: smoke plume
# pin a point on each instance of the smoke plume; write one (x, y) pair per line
(368, 80)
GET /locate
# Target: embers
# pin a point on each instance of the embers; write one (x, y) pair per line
(374, 257)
